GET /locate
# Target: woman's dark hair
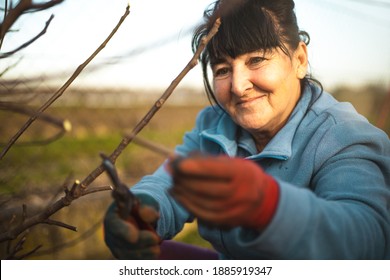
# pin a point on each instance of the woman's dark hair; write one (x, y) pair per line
(247, 26)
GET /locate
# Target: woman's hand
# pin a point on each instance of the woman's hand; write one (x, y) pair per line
(225, 192)
(125, 238)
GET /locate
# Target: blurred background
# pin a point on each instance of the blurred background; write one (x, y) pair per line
(349, 53)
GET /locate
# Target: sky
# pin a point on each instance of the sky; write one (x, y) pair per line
(350, 42)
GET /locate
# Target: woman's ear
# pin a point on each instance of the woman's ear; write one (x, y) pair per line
(301, 59)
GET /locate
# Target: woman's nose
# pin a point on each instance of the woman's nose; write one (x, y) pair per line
(240, 82)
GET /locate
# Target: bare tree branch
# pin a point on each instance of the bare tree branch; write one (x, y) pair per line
(21, 257)
(18, 246)
(24, 6)
(79, 189)
(43, 6)
(59, 93)
(59, 224)
(106, 61)
(157, 105)
(85, 235)
(63, 125)
(26, 44)
(43, 217)
(1, 27)
(63, 188)
(98, 189)
(159, 149)
(10, 67)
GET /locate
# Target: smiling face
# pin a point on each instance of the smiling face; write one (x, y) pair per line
(259, 90)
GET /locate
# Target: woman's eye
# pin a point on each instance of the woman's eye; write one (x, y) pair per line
(256, 60)
(220, 72)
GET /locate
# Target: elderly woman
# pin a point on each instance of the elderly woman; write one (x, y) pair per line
(276, 168)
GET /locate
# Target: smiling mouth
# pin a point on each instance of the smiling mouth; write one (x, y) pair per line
(248, 101)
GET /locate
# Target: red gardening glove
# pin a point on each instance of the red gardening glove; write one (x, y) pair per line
(224, 191)
(126, 239)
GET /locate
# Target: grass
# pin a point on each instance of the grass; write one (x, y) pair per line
(35, 173)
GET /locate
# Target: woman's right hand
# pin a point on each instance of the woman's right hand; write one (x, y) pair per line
(125, 238)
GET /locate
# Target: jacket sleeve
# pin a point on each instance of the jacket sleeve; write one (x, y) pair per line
(172, 215)
(345, 212)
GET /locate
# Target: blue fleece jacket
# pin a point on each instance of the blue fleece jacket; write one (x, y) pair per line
(333, 169)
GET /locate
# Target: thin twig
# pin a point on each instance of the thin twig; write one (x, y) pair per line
(97, 189)
(59, 224)
(24, 6)
(21, 257)
(157, 105)
(79, 188)
(85, 235)
(59, 93)
(76, 191)
(1, 25)
(159, 149)
(26, 44)
(62, 189)
(63, 125)
(13, 232)
(10, 67)
(18, 246)
(43, 6)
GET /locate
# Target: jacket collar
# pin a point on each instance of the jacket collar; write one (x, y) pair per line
(232, 137)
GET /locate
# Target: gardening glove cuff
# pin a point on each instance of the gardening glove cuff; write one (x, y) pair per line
(125, 239)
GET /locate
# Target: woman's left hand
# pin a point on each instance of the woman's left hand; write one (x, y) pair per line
(225, 192)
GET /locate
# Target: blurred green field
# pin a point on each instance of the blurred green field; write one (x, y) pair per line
(37, 167)
(34, 174)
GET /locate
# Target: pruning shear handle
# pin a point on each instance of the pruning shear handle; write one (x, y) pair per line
(127, 203)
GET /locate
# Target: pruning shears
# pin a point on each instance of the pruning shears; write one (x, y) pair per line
(127, 203)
